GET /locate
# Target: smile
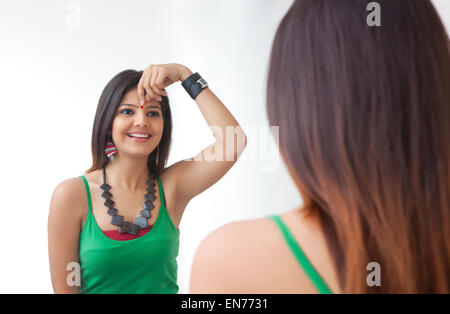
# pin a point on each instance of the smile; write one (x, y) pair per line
(139, 137)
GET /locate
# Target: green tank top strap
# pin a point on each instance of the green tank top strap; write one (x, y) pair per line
(88, 193)
(161, 192)
(301, 257)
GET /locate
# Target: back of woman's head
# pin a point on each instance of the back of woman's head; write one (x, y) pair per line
(364, 117)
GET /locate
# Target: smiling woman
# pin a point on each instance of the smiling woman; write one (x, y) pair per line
(134, 251)
(116, 101)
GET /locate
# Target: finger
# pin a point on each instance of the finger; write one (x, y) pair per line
(153, 83)
(150, 93)
(140, 90)
(160, 82)
(145, 83)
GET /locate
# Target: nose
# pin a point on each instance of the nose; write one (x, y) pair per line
(140, 118)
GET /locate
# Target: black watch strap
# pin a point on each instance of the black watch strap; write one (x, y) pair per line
(194, 85)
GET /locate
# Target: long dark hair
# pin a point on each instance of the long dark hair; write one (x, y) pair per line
(109, 101)
(364, 117)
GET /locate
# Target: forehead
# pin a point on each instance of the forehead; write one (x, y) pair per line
(132, 98)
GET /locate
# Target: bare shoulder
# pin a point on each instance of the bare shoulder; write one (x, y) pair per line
(246, 257)
(241, 256)
(251, 237)
(240, 232)
(213, 262)
(234, 234)
(68, 188)
(67, 197)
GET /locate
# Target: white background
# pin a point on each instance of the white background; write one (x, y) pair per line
(55, 59)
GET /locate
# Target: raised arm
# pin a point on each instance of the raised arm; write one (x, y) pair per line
(195, 175)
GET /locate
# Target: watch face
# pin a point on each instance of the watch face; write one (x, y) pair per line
(202, 82)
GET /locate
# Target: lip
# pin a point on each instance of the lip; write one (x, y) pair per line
(139, 140)
(137, 132)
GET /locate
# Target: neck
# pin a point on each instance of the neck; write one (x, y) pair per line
(127, 173)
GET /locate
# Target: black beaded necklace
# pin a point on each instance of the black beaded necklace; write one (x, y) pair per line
(139, 222)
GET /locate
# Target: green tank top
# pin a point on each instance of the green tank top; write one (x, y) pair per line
(143, 265)
(309, 269)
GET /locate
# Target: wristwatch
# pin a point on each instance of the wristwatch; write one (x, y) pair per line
(194, 85)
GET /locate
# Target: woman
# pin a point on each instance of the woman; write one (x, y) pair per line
(115, 230)
(364, 116)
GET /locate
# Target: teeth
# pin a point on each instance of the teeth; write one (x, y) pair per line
(139, 135)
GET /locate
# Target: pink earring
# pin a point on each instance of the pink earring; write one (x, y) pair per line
(110, 148)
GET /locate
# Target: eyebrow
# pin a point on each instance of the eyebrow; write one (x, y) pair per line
(136, 106)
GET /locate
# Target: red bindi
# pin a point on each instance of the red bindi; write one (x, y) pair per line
(142, 107)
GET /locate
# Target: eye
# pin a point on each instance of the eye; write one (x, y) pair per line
(150, 113)
(154, 113)
(126, 110)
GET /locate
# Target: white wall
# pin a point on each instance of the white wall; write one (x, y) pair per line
(53, 67)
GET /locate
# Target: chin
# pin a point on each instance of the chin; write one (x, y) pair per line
(137, 153)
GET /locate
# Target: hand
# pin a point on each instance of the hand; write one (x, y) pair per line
(157, 77)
